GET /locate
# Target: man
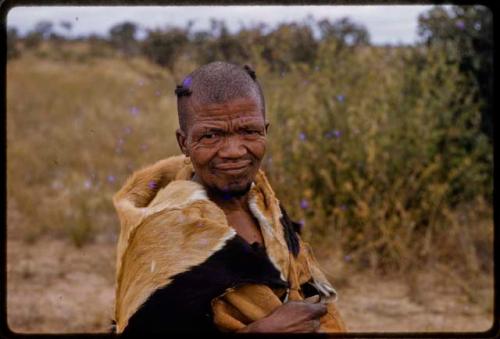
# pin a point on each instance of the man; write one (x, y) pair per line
(205, 245)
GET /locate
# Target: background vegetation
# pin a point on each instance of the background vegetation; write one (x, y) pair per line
(383, 153)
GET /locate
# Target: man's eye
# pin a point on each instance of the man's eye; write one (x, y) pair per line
(251, 132)
(210, 137)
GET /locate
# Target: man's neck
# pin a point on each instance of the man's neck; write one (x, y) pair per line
(237, 211)
(229, 203)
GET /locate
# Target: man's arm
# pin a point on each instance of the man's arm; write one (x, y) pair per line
(184, 305)
(291, 317)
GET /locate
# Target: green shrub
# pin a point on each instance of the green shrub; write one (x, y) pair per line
(373, 147)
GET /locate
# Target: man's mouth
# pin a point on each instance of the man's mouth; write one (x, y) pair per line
(234, 167)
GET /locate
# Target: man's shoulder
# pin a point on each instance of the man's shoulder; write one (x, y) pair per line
(141, 186)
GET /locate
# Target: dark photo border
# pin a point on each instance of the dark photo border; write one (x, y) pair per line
(5, 332)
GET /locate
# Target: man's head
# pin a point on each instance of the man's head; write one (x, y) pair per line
(222, 125)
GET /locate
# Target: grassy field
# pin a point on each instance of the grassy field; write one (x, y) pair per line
(352, 158)
(75, 131)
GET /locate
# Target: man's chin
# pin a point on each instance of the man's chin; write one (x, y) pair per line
(235, 190)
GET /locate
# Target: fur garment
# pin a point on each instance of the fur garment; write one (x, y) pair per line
(180, 266)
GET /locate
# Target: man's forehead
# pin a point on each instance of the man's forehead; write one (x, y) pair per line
(239, 119)
(242, 103)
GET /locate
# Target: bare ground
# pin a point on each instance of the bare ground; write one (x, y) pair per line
(57, 288)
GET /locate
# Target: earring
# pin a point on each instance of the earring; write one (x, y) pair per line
(187, 160)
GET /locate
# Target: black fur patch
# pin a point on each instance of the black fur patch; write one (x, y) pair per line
(184, 304)
(291, 228)
(308, 289)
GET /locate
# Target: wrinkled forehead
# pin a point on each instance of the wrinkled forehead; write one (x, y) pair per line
(242, 106)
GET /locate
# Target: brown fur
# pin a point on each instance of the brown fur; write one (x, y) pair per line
(171, 226)
(242, 305)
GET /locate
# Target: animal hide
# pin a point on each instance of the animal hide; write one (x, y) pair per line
(181, 267)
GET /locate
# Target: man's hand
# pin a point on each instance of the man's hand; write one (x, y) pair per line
(291, 317)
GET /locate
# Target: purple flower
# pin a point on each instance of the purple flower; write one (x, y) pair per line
(187, 81)
(134, 111)
(157, 93)
(460, 24)
(340, 98)
(127, 130)
(333, 133)
(302, 136)
(152, 184)
(343, 207)
(144, 147)
(57, 185)
(111, 178)
(87, 184)
(304, 204)
(140, 82)
(120, 141)
(348, 258)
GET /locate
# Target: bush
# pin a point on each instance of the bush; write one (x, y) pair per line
(374, 148)
(12, 41)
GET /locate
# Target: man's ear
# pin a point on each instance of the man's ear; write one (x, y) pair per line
(182, 141)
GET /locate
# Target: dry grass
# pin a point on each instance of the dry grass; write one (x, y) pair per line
(75, 132)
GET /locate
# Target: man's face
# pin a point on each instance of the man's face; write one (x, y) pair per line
(226, 143)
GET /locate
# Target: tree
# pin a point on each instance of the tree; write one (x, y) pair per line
(12, 38)
(220, 44)
(44, 28)
(466, 34)
(164, 47)
(41, 31)
(290, 43)
(344, 31)
(123, 37)
(66, 25)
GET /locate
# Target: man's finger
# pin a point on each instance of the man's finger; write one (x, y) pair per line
(319, 310)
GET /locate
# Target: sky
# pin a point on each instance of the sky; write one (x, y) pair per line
(386, 24)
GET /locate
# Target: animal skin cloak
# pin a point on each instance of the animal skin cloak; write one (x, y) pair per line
(181, 267)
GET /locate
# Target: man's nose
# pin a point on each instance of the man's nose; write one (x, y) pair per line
(232, 148)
